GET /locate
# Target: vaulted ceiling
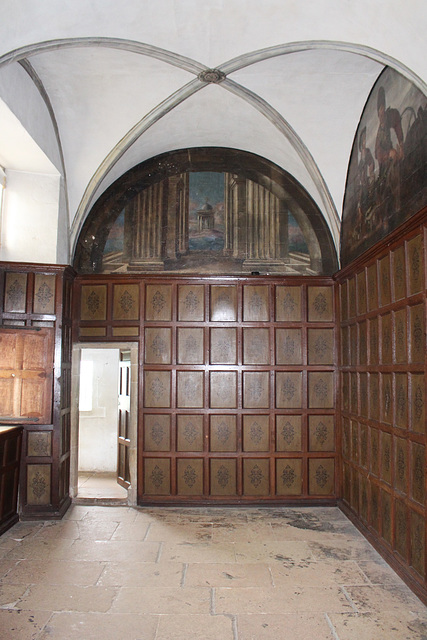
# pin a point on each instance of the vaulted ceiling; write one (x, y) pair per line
(101, 86)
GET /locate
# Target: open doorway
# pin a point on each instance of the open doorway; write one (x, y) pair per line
(104, 423)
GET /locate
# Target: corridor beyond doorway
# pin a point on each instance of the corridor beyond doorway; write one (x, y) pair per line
(96, 487)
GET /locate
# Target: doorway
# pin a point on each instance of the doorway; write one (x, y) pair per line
(104, 422)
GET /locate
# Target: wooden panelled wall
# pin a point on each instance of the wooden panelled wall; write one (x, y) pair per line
(237, 383)
(35, 306)
(383, 394)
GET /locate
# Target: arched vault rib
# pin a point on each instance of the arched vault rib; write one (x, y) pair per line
(189, 89)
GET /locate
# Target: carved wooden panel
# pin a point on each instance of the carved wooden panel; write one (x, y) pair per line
(400, 337)
(321, 476)
(417, 333)
(373, 341)
(320, 304)
(256, 433)
(223, 477)
(417, 537)
(190, 389)
(223, 346)
(399, 273)
(321, 390)
(158, 302)
(289, 477)
(385, 284)
(401, 464)
(39, 444)
(223, 433)
(190, 476)
(288, 433)
(256, 347)
(15, 294)
(386, 521)
(372, 287)
(387, 339)
(321, 433)
(321, 346)
(256, 305)
(363, 343)
(288, 390)
(190, 346)
(386, 456)
(44, 294)
(158, 345)
(256, 477)
(189, 432)
(223, 303)
(418, 472)
(288, 346)
(288, 304)
(401, 528)
(93, 302)
(418, 410)
(415, 265)
(157, 435)
(157, 476)
(387, 398)
(38, 484)
(401, 400)
(125, 302)
(157, 389)
(223, 389)
(256, 391)
(191, 303)
(374, 396)
(361, 293)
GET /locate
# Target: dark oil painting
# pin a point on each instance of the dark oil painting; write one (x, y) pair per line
(387, 177)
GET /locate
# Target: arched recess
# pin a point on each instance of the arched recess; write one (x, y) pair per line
(264, 193)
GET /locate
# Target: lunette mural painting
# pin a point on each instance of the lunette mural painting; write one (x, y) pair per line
(215, 227)
(387, 176)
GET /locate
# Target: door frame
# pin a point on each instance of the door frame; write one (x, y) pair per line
(75, 389)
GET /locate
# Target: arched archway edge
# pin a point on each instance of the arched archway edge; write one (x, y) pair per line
(103, 214)
(192, 87)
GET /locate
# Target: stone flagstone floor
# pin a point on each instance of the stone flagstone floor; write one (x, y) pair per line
(118, 573)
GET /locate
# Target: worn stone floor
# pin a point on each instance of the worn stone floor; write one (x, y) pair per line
(118, 573)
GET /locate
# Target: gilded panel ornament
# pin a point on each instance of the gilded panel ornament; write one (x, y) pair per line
(322, 476)
(288, 432)
(223, 476)
(44, 295)
(158, 301)
(288, 476)
(190, 476)
(256, 476)
(126, 302)
(157, 433)
(223, 432)
(190, 433)
(39, 485)
(157, 477)
(15, 292)
(399, 273)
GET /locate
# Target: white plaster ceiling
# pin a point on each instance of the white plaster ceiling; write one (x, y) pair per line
(121, 81)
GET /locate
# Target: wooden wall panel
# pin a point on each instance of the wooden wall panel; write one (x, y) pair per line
(383, 418)
(36, 312)
(238, 390)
